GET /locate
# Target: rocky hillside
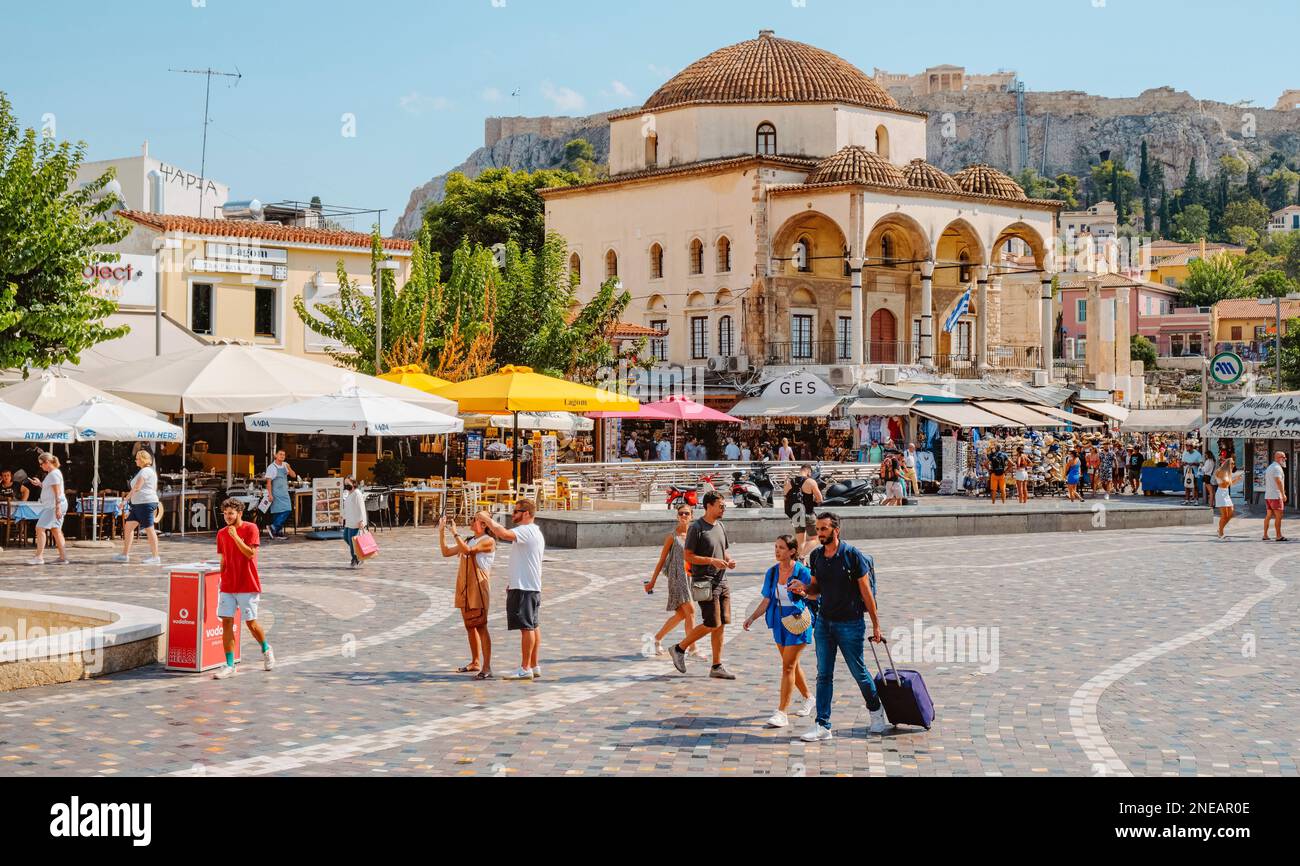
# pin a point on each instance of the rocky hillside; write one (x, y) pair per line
(1066, 129)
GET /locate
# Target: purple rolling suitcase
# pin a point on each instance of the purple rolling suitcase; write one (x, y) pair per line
(903, 693)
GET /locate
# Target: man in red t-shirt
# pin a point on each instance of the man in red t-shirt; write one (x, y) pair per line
(240, 586)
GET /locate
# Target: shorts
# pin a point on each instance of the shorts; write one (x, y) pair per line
(246, 602)
(1021, 475)
(1273, 504)
(893, 490)
(47, 520)
(522, 609)
(143, 514)
(717, 611)
(997, 483)
(802, 522)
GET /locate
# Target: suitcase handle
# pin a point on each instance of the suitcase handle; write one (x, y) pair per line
(898, 678)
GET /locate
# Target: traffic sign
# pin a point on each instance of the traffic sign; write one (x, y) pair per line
(1227, 368)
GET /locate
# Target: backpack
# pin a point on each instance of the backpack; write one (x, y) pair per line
(998, 462)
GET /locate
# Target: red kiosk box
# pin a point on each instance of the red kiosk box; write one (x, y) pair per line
(193, 627)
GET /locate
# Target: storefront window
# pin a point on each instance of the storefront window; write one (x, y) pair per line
(264, 317)
(201, 308)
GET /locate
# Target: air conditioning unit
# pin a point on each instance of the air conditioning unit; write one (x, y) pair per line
(717, 364)
(841, 376)
(738, 364)
(1042, 379)
(889, 376)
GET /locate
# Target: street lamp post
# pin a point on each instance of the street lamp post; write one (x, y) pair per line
(1277, 336)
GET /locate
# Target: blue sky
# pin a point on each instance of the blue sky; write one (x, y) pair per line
(420, 77)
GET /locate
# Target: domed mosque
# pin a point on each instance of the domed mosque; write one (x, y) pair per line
(771, 205)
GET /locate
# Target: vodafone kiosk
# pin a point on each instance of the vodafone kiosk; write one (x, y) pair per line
(193, 628)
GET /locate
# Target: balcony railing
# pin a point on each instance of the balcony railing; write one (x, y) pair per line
(823, 352)
(900, 352)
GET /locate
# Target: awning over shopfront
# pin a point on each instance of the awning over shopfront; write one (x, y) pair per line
(799, 394)
(962, 415)
(1106, 410)
(1019, 413)
(1162, 421)
(1275, 416)
(1069, 417)
(879, 407)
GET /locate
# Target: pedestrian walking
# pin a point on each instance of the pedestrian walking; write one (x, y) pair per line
(241, 586)
(524, 591)
(143, 504)
(707, 555)
(473, 589)
(909, 471)
(802, 496)
(1022, 475)
(1106, 468)
(1275, 493)
(1120, 463)
(780, 610)
(278, 473)
(1191, 472)
(785, 454)
(672, 564)
(354, 517)
(843, 580)
(1225, 478)
(54, 506)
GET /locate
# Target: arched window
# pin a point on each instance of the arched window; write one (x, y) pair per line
(765, 140)
(963, 275)
(651, 149)
(882, 141)
(803, 255)
(697, 256)
(656, 262)
(724, 255)
(575, 267)
(611, 265)
(725, 344)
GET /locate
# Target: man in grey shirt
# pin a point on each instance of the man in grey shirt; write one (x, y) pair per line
(706, 554)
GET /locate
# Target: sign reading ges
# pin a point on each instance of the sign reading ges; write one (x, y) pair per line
(798, 387)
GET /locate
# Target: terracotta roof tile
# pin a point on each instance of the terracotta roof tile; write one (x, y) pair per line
(987, 180)
(921, 175)
(267, 231)
(1251, 308)
(856, 164)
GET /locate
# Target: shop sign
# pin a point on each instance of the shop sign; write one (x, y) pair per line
(128, 281)
(247, 253)
(1227, 368)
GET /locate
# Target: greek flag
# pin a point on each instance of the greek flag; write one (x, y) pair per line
(958, 311)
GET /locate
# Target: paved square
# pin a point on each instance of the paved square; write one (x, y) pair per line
(1151, 652)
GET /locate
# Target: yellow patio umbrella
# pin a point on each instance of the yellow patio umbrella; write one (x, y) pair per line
(519, 389)
(413, 376)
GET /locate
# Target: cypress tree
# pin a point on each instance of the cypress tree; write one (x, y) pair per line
(1166, 220)
(1144, 174)
(1253, 187)
(1191, 187)
(1146, 208)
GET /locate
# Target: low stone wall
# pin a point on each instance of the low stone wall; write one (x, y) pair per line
(48, 639)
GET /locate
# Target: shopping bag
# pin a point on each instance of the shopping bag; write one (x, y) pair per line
(265, 504)
(365, 545)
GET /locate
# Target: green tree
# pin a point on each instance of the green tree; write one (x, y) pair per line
(48, 237)
(1144, 172)
(1142, 349)
(1291, 355)
(499, 205)
(1243, 236)
(1249, 213)
(1279, 185)
(1191, 224)
(1214, 279)
(1272, 284)
(1064, 187)
(1166, 220)
(1191, 191)
(1112, 182)
(580, 159)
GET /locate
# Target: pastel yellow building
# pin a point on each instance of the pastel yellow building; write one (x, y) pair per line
(236, 279)
(1170, 259)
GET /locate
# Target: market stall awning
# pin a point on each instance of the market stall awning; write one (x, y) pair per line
(1162, 421)
(880, 407)
(560, 422)
(798, 395)
(1069, 417)
(962, 415)
(1106, 410)
(1272, 416)
(1019, 413)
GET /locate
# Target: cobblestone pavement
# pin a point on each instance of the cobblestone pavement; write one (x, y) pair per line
(1151, 652)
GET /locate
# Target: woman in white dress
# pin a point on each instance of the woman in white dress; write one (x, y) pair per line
(1224, 479)
(54, 505)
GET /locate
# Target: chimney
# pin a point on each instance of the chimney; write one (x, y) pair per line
(1202, 248)
(144, 148)
(766, 33)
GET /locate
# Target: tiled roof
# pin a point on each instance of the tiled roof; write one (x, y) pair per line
(1251, 308)
(856, 164)
(1110, 281)
(266, 231)
(987, 180)
(1189, 256)
(628, 329)
(920, 174)
(799, 163)
(767, 70)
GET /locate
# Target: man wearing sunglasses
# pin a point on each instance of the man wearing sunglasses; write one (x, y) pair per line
(706, 553)
(524, 595)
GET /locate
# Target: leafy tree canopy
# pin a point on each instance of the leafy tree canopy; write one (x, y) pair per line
(1214, 279)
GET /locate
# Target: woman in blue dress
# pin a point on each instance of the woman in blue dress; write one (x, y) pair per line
(1072, 463)
(777, 603)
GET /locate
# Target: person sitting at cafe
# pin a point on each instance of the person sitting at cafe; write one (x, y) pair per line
(11, 489)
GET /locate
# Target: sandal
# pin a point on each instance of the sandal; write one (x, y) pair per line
(468, 669)
(483, 675)
(1281, 538)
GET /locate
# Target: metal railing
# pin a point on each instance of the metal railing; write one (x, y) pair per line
(823, 352)
(1016, 357)
(891, 352)
(649, 481)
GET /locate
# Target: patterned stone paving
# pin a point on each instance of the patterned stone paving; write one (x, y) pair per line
(1151, 652)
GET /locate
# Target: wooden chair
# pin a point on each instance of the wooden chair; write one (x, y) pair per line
(7, 521)
(471, 499)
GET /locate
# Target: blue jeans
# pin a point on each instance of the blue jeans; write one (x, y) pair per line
(850, 639)
(278, 520)
(348, 535)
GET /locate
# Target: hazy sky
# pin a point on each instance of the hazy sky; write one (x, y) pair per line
(420, 77)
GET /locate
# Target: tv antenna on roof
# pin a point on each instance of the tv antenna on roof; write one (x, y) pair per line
(207, 99)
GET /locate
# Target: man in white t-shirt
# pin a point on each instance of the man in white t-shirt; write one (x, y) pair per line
(524, 593)
(1275, 493)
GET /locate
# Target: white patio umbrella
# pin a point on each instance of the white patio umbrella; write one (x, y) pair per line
(228, 380)
(97, 420)
(20, 425)
(50, 393)
(355, 412)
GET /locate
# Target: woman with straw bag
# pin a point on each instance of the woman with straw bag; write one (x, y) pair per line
(791, 621)
(473, 589)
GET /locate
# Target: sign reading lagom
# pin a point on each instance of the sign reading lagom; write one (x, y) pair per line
(1227, 368)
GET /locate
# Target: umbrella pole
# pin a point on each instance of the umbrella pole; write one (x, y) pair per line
(230, 452)
(185, 436)
(446, 458)
(674, 438)
(355, 474)
(514, 449)
(94, 500)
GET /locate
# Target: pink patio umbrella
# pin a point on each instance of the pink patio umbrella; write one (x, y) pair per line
(675, 408)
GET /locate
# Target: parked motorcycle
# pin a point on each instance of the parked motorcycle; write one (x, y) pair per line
(854, 491)
(754, 491)
(678, 495)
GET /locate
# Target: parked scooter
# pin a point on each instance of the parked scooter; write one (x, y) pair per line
(754, 491)
(854, 491)
(692, 496)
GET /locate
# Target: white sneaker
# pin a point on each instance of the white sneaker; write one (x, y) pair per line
(268, 659)
(224, 672)
(696, 652)
(121, 557)
(153, 560)
(807, 709)
(879, 724)
(659, 649)
(537, 672)
(36, 560)
(816, 734)
(520, 674)
(778, 720)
